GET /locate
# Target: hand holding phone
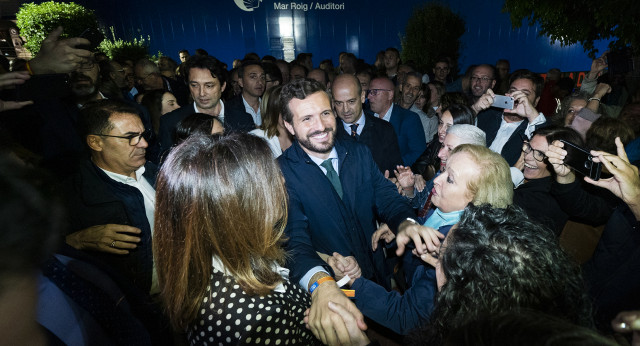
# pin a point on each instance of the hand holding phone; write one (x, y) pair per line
(502, 101)
(581, 160)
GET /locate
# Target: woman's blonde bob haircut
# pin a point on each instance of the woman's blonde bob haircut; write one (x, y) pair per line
(493, 183)
(223, 197)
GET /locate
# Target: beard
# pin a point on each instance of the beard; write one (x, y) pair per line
(82, 86)
(321, 148)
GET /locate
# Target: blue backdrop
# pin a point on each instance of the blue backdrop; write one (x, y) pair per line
(230, 28)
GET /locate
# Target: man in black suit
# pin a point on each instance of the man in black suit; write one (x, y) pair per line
(507, 129)
(206, 80)
(243, 111)
(375, 133)
(148, 77)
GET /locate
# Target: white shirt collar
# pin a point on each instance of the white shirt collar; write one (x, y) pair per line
(360, 123)
(387, 115)
(121, 178)
(220, 115)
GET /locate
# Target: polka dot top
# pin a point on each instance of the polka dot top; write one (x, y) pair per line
(229, 316)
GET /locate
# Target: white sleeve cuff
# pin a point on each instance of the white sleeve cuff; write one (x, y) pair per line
(517, 177)
(304, 282)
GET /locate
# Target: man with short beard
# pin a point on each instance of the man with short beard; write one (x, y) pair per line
(84, 83)
(483, 78)
(336, 193)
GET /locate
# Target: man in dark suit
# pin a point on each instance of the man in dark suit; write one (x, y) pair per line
(406, 123)
(206, 80)
(335, 191)
(506, 130)
(375, 133)
(111, 197)
(148, 77)
(243, 111)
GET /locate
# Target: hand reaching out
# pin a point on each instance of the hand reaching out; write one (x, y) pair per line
(556, 155)
(420, 183)
(59, 56)
(405, 179)
(485, 101)
(12, 79)
(598, 65)
(425, 239)
(625, 182)
(344, 266)
(382, 233)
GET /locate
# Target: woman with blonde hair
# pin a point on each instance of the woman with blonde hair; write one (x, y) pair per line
(473, 175)
(220, 218)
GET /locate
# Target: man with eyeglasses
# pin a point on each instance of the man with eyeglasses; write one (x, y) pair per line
(243, 111)
(483, 78)
(406, 123)
(110, 199)
(507, 129)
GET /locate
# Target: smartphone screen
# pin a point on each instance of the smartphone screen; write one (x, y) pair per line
(581, 161)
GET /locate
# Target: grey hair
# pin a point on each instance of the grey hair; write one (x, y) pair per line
(468, 134)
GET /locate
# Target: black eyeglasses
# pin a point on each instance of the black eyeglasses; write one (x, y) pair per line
(374, 92)
(537, 154)
(134, 139)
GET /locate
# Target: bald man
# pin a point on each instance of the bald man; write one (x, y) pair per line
(375, 133)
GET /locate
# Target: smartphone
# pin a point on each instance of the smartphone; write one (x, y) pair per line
(94, 36)
(502, 101)
(581, 161)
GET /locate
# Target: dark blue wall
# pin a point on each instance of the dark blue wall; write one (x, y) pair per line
(362, 27)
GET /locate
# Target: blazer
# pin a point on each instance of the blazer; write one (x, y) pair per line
(489, 121)
(380, 137)
(92, 200)
(236, 117)
(319, 220)
(410, 134)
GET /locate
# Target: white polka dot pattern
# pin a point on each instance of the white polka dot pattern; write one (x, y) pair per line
(229, 316)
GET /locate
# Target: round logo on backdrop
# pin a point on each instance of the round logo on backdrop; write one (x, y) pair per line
(247, 5)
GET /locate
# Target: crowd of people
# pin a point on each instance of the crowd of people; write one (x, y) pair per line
(163, 203)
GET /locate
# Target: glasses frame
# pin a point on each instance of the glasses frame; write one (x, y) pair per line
(375, 92)
(146, 134)
(526, 148)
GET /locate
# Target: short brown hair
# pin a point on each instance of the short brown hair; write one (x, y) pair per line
(299, 89)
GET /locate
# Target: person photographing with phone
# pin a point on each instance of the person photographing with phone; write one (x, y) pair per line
(611, 273)
(505, 128)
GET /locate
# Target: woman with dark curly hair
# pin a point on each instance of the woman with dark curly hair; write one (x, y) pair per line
(499, 260)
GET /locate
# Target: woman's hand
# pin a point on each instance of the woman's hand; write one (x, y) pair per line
(425, 239)
(343, 266)
(406, 179)
(382, 233)
(556, 155)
